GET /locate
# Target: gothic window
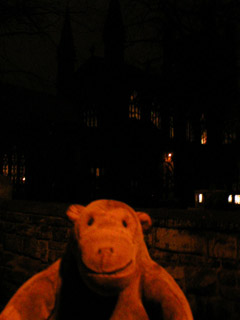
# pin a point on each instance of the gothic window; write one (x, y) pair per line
(134, 108)
(168, 171)
(171, 128)
(156, 118)
(229, 133)
(203, 130)
(97, 172)
(134, 183)
(5, 167)
(22, 170)
(90, 118)
(14, 167)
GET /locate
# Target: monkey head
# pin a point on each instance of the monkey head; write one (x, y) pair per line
(109, 243)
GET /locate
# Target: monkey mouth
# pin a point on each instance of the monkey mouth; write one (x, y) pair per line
(108, 273)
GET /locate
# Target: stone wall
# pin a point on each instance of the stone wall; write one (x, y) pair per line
(32, 236)
(201, 251)
(199, 248)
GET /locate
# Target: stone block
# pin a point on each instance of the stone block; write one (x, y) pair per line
(17, 217)
(26, 230)
(56, 245)
(44, 232)
(230, 293)
(13, 243)
(56, 222)
(215, 308)
(42, 248)
(223, 246)
(9, 227)
(201, 281)
(54, 255)
(180, 241)
(164, 258)
(178, 274)
(37, 249)
(61, 234)
(227, 278)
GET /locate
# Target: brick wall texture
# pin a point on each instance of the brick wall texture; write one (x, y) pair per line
(201, 249)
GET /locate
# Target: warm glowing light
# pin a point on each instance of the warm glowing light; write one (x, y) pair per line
(5, 165)
(171, 128)
(90, 118)
(230, 198)
(200, 198)
(204, 137)
(168, 157)
(134, 112)
(97, 172)
(237, 199)
(156, 119)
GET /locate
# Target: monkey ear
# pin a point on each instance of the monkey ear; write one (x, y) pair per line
(145, 221)
(74, 211)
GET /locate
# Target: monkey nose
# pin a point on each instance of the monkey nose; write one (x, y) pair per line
(105, 251)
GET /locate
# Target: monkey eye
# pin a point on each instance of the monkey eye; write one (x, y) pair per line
(124, 222)
(90, 221)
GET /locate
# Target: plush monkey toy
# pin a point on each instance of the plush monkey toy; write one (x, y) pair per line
(106, 273)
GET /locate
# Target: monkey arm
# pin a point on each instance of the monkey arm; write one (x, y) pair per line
(161, 289)
(129, 305)
(36, 298)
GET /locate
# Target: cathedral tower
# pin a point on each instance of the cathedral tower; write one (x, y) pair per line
(65, 57)
(114, 35)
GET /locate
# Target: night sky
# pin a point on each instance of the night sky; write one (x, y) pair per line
(30, 33)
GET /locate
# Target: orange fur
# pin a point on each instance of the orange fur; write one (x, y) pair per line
(106, 263)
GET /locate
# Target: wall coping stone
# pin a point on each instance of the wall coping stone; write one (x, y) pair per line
(197, 219)
(33, 207)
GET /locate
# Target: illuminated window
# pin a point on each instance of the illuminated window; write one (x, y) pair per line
(97, 172)
(230, 198)
(200, 198)
(204, 137)
(5, 165)
(22, 170)
(90, 118)
(237, 199)
(203, 130)
(168, 171)
(229, 134)
(14, 168)
(168, 157)
(171, 128)
(155, 118)
(134, 111)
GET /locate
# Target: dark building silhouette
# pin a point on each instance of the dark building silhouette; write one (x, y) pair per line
(65, 57)
(117, 131)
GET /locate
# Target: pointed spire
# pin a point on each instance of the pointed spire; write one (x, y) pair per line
(65, 55)
(114, 34)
